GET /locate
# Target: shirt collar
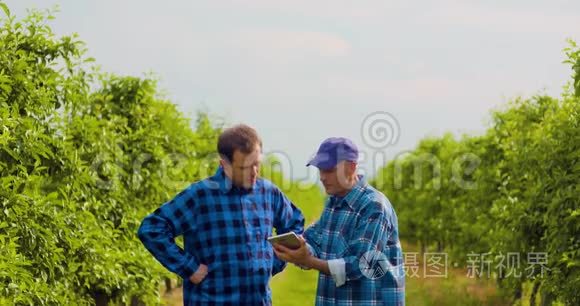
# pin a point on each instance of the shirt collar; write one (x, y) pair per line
(353, 195)
(225, 183)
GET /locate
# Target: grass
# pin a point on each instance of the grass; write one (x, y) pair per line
(455, 289)
(294, 287)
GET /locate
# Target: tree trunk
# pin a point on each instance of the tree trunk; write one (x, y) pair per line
(518, 293)
(534, 293)
(168, 285)
(101, 298)
(547, 298)
(135, 301)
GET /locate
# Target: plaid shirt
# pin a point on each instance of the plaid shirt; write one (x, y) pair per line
(348, 228)
(225, 228)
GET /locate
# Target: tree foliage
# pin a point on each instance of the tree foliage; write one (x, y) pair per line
(515, 189)
(83, 157)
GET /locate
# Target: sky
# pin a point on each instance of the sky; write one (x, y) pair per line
(383, 73)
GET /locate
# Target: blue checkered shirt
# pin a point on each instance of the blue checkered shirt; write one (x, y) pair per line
(354, 229)
(225, 228)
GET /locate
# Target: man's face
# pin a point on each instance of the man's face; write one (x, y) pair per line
(244, 168)
(336, 181)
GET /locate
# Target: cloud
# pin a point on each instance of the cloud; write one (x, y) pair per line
(419, 89)
(520, 20)
(324, 9)
(289, 44)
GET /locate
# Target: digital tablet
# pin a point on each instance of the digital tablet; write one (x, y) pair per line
(289, 240)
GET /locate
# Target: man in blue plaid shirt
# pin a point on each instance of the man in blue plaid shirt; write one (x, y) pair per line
(225, 221)
(355, 243)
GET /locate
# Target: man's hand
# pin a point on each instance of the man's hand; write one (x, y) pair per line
(199, 275)
(299, 256)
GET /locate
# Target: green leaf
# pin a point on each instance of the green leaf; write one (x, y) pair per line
(5, 9)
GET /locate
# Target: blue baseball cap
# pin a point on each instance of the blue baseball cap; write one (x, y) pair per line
(332, 151)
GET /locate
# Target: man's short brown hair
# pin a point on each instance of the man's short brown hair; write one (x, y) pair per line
(239, 137)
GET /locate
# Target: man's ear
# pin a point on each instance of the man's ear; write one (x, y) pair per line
(351, 168)
(227, 166)
(224, 161)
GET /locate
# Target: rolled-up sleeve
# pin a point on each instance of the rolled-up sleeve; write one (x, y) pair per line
(337, 269)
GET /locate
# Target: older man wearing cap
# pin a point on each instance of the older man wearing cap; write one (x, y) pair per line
(355, 243)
